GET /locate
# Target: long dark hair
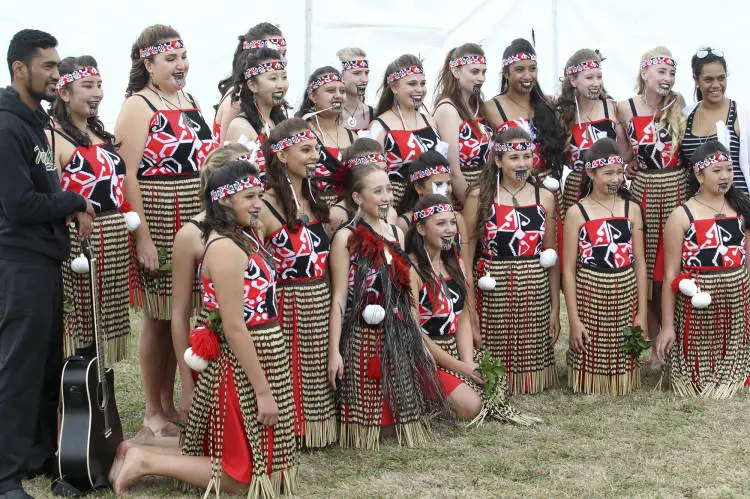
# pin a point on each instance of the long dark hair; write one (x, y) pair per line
(152, 35)
(247, 97)
(603, 148)
(738, 200)
(548, 134)
(697, 63)
(448, 87)
(425, 160)
(260, 31)
(415, 246)
(219, 218)
(307, 104)
(276, 177)
(59, 109)
(386, 94)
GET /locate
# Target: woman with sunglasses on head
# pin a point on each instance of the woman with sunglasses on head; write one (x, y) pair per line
(355, 73)
(704, 335)
(262, 35)
(715, 113)
(164, 141)
(457, 114)
(655, 125)
(401, 126)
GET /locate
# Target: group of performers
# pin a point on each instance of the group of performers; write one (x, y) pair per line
(345, 265)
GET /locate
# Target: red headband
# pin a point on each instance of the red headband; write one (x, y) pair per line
(235, 187)
(521, 56)
(76, 75)
(584, 66)
(653, 61)
(431, 210)
(160, 48)
(323, 79)
(429, 172)
(358, 64)
(274, 43)
(513, 146)
(403, 73)
(609, 160)
(266, 67)
(288, 142)
(717, 157)
(362, 160)
(468, 59)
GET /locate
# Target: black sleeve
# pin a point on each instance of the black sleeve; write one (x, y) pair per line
(19, 199)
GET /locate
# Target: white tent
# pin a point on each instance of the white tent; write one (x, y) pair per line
(315, 29)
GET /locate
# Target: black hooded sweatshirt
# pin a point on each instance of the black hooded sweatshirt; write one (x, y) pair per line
(33, 208)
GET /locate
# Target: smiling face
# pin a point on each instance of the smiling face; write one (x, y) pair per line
(606, 180)
(330, 94)
(659, 78)
(246, 206)
(356, 80)
(712, 82)
(82, 97)
(717, 178)
(301, 159)
(470, 77)
(522, 76)
(269, 88)
(40, 75)
(409, 92)
(516, 164)
(588, 83)
(375, 195)
(438, 230)
(169, 70)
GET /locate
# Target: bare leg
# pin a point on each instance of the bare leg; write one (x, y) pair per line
(152, 354)
(168, 378)
(464, 402)
(654, 311)
(148, 438)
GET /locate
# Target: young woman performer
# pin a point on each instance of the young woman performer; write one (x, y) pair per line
(262, 35)
(187, 251)
(355, 74)
(162, 186)
(518, 299)
(263, 86)
(240, 433)
(90, 166)
(428, 174)
(715, 112)
(403, 129)
(457, 114)
(295, 231)
(376, 357)
(655, 126)
(586, 114)
(604, 274)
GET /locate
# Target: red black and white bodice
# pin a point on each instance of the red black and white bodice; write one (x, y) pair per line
(713, 243)
(97, 173)
(373, 278)
(259, 292)
(652, 146)
(438, 315)
(177, 144)
(473, 144)
(401, 147)
(583, 136)
(606, 243)
(514, 231)
(300, 255)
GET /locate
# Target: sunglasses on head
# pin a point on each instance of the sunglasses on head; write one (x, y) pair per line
(703, 53)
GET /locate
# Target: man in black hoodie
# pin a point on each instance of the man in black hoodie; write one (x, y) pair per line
(34, 240)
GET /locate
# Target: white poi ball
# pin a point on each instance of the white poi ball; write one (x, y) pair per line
(132, 220)
(193, 361)
(688, 287)
(701, 300)
(373, 314)
(486, 282)
(548, 258)
(551, 183)
(80, 264)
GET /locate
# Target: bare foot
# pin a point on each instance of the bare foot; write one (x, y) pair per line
(161, 426)
(122, 449)
(144, 437)
(129, 470)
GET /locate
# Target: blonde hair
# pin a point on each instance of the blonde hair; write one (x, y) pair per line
(673, 116)
(350, 53)
(220, 156)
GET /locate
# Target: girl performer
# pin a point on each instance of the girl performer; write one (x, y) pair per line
(587, 114)
(376, 357)
(262, 35)
(321, 105)
(239, 437)
(518, 299)
(187, 252)
(355, 73)
(90, 166)
(457, 114)
(164, 142)
(715, 111)
(295, 230)
(604, 275)
(705, 311)
(655, 126)
(400, 126)
(263, 85)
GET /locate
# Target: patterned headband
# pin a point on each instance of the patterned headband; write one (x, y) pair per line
(272, 43)
(358, 64)
(323, 79)
(584, 66)
(609, 160)
(235, 187)
(362, 160)
(76, 75)
(513, 146)
(717, 157)
(160, 48)
(288, 142)
(403, 73)
(468, 59)
(521, 56)
(653, 61)
(431, 210)
(266, 67)
(429, 172)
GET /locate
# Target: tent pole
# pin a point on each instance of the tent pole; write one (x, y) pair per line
(308, 37)
(555, 37)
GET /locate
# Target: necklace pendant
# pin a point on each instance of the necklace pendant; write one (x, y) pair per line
(188, 121)
(515, 202)
(720, 215)
(304, 218)
(351, 122)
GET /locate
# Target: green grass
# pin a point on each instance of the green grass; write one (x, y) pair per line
(644, 445)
